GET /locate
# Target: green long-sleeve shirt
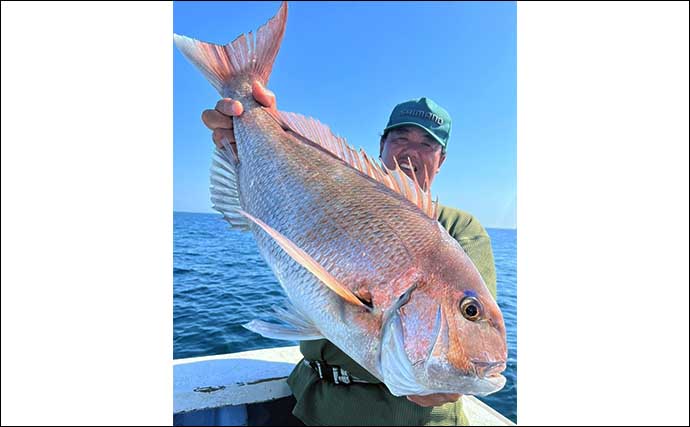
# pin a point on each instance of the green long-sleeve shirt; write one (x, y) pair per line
(323, 403)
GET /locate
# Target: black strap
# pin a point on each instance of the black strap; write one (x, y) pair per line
(330, 373)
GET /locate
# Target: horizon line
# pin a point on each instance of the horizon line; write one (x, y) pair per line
(216, 213)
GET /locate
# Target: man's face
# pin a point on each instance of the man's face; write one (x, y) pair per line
(417, 145)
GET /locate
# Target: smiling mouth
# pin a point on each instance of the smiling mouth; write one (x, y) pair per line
(408, 166)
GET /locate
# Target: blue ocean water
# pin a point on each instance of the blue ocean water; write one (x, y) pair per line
(221, 282)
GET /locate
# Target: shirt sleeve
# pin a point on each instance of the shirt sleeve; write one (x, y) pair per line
(476, 242)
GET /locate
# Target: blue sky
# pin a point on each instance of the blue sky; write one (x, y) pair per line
(349, 63)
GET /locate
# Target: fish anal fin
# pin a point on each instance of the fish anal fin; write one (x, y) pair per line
(224, 187)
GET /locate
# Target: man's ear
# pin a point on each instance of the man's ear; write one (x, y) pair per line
(381, 146)
(441, 160)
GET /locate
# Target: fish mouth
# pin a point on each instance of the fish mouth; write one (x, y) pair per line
(468, 384)
(399, 374)
(488, 369)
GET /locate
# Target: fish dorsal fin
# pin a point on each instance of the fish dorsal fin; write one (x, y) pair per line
(395, 179)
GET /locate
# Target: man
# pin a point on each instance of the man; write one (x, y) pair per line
(416, 136)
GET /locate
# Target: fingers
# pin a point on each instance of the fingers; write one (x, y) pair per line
(230, 107)
(219, 121)
(220, 134)
(215, 120)
(263, 96)
(434, 399)
(419, 400)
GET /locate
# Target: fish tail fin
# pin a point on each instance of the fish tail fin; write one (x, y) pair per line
(247, 55)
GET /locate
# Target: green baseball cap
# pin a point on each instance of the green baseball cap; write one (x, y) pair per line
(423, 113)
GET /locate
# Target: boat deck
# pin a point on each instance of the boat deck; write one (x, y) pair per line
(249, 389)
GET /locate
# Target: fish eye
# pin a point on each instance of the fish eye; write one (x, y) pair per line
(470, 308)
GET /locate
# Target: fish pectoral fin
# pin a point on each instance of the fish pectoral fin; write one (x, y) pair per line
(306, 261)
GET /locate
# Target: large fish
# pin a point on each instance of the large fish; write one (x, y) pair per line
(356, 246)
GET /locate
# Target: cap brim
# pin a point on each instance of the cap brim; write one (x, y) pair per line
(397, 125)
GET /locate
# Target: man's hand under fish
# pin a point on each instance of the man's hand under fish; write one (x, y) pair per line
(219, 120)
(437, 399)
